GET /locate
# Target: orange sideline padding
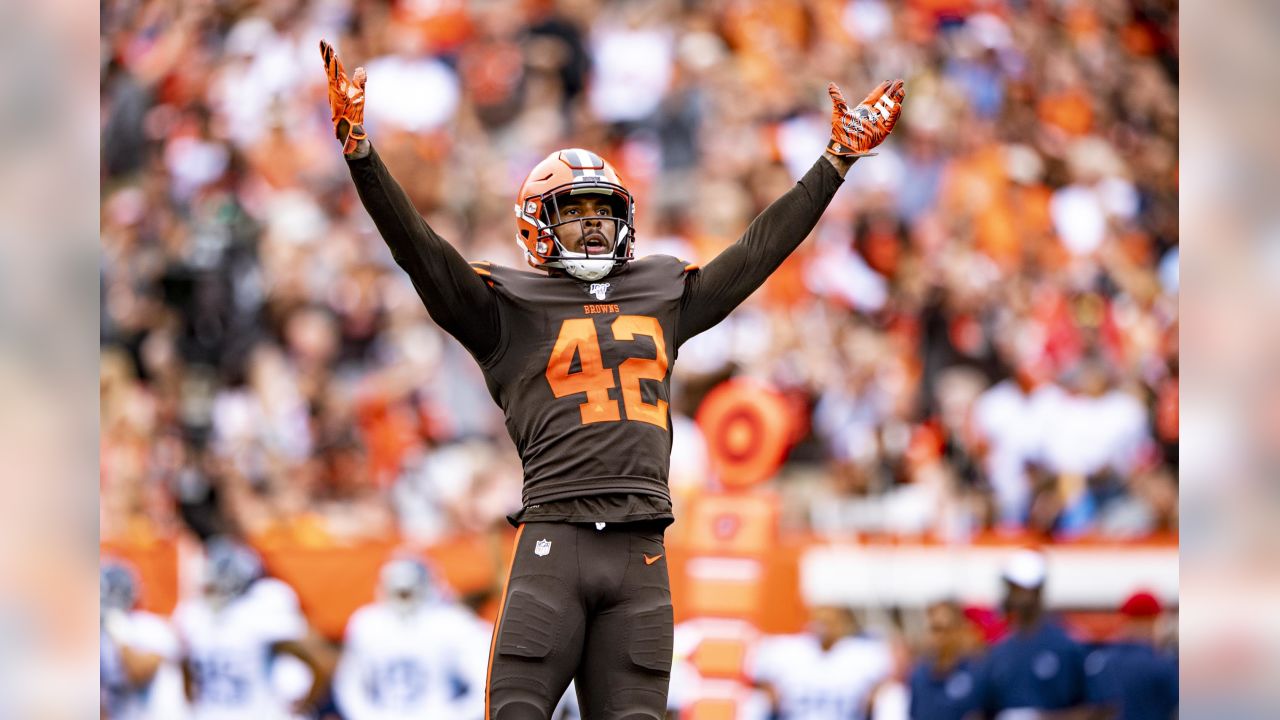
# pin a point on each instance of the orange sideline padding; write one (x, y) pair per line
(712, 709)
(332, 583)
(721, 658)
(738, 524)
(156, 565)
(775, 606)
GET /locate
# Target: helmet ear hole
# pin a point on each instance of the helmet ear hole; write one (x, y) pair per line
(524, 233)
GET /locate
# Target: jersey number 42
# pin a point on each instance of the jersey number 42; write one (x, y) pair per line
(578, 337)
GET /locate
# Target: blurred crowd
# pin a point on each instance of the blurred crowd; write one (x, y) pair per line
(982, 329)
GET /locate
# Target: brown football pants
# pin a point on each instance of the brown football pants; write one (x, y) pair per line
(588, 604)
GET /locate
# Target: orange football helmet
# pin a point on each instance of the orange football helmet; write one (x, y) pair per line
(564, 173)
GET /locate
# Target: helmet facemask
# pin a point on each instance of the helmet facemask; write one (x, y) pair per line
(406, 586)
(117, 589)
(229, 569)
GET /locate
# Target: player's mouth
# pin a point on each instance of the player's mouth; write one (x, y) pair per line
(595, 243)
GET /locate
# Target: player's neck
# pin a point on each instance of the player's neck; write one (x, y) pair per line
(946, 660)
(1026, 622)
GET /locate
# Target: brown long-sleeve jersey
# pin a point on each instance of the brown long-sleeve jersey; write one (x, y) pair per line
(582, 370)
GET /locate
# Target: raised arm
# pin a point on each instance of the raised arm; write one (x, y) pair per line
(457, 298)
(713, 292)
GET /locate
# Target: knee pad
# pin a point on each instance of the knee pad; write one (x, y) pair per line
(519, 698)
(639, 704)
(518, 711)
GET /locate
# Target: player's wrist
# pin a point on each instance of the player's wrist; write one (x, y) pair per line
(841, 163)
(359, 145)
(835, 147)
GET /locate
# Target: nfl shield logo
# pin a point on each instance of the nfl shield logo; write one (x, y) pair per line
(542, 548)
(599, 290)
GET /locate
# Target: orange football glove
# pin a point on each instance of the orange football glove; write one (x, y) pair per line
(346, 99)
(854, 133)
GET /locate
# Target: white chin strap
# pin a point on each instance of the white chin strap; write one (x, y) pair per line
(584, 268)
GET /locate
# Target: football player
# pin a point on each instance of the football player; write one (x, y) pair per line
(139, 653)
(578, 355)
(411, 654)
(567, 708)
(234, 631)
(828, 672)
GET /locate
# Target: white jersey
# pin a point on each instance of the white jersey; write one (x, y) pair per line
(430, 664)
(159, 699)
(816, 685)
(230, 654)
(567, 708)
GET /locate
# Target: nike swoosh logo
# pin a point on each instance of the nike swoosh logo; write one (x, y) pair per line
(651, 560)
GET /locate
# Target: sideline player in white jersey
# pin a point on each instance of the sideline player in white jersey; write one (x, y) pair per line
(232, 633)
(412, 653)
(138, 653)
(568, 708)
(825, 674)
